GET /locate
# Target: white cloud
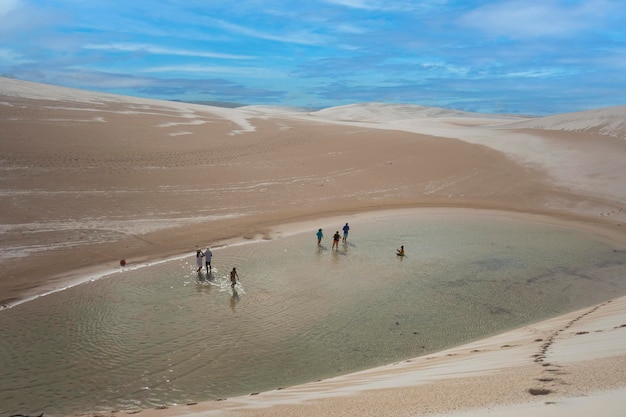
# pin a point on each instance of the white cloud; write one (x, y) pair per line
(10, 57)
(352, 29)
(356, 4)
(252, 72)
(302, 37)
(126, 47)
(7, 6)
(535, 73)
(388, 5)
(524, 19)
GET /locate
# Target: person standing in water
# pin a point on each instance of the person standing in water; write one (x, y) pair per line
(233, 277)
(207, 259)
(346, 228)
(336, 238)
(199, 256)
(400, 252)
(320, 235)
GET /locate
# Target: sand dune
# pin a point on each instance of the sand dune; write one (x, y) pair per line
(578, 151)
(88, 179)
(64, 99)
(382, 112)
(609, 121)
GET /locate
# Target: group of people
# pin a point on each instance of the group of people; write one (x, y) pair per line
(208, 256)
(336, 237)
(234, 277)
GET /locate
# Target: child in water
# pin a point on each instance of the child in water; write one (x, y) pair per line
(233, 277)
(336, 238)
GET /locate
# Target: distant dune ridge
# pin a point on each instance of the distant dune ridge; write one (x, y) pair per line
(610, 121)
(393, 112)
(88, 179)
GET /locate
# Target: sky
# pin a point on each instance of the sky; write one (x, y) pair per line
(533, 57)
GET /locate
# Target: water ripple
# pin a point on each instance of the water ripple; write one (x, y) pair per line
(165, 334)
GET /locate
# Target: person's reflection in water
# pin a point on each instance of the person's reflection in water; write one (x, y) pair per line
(203, 284)
(200, 278)
(234, 300)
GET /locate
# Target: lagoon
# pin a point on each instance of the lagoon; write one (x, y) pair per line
(164, 335)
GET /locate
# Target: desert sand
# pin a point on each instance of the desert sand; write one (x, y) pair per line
(89, 179)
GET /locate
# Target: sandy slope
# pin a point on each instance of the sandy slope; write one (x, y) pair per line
(578, 151)
(88, 179)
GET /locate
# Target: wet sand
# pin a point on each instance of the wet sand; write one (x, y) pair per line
(90, 179)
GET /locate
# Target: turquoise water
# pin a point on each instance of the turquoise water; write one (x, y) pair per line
(165, 335)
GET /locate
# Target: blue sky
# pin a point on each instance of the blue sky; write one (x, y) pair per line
(513, 56)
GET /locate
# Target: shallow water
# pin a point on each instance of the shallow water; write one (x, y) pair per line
(165, 335)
